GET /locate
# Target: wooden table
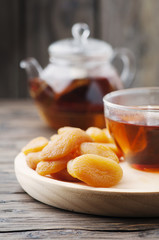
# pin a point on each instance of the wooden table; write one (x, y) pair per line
(22, 217)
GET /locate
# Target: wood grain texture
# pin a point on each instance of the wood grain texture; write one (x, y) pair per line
(22, 217)
(48, 21)
(134, 24)
(78, 234)
(9, 49)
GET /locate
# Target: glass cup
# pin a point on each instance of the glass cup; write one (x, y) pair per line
(132, 117)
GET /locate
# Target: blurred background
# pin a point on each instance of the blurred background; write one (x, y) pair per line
(28, 27)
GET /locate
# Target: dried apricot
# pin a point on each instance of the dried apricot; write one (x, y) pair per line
(98, 149)
(64, 129)
(64, 143)
(95, 170)
(48, 167)
(63, 175)
(33, 159)
(114, 148)
(53, 136)
(35, 145)
(97, 134)
(108, 138)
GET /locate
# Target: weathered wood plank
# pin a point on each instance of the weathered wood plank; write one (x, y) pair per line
(49, 21)
(8, 48)
(78, 234)
(20, 121)
(133, 24)
(39, 216)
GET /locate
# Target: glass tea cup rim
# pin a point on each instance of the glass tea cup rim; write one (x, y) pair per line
(108, 103)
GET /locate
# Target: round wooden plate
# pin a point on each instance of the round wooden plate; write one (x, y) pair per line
(137, 195)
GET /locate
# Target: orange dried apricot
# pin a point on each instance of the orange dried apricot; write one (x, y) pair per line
(33, 159)
(96, 134)
(35, 145)
(64, 143)
(95, 170)
(63, 175)
(108, 138)
(100, 135)
(48, 167)
(53, 136)
(98, 149)
(64, 129)
(114, 148)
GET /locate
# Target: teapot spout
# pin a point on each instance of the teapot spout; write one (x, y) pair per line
(32, 67)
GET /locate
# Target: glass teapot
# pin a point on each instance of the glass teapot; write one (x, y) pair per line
(70, 90)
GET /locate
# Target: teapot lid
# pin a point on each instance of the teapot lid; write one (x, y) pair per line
(80, 46)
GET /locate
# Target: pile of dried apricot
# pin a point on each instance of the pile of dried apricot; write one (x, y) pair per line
(73, 154)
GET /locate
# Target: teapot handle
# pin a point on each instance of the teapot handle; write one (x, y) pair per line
(129, 65)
